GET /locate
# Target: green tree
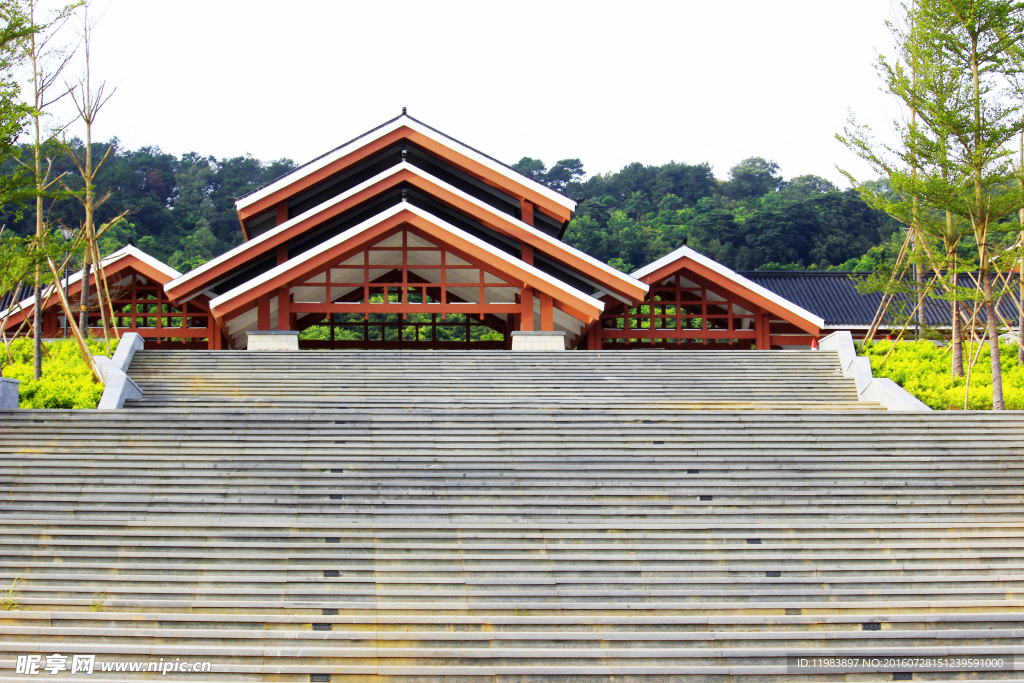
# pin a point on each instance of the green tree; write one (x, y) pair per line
(531, 168)
(47, 62)
(564, 173)
(951, 72)
(15, 185)
(753, 177)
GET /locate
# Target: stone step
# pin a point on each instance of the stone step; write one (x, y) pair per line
(491, 517)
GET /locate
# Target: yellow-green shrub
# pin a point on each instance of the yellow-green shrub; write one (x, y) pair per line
(923, 369)
(66, 381)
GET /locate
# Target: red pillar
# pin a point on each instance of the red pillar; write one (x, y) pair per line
(763, 328)
(527, 212)
(214, 342)
(282, 212)
(263, 312)
(283, 308)
(527, 253)
(547, 313)
(526, 324)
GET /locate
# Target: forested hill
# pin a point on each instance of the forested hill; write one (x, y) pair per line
(754, 220)
(182, 210)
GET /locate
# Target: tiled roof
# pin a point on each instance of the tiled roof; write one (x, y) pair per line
(833, 295)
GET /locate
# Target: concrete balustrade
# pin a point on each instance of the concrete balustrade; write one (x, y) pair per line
(878, 390)
(118, 387)
(9, 389)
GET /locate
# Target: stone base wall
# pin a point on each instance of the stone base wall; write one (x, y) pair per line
(539, 341)
(273, 340)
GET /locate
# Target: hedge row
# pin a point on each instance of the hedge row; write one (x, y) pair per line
(923, 369)
(66, 381)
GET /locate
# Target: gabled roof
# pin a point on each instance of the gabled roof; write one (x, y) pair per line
(207, 274)
(470, 160)
(127, 255)
(684, 257)
(833, 295)
(235, 300)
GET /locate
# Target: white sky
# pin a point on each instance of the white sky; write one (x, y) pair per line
(608, 82)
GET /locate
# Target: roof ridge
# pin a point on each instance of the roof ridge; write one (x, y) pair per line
(386, 123)
(318, 158)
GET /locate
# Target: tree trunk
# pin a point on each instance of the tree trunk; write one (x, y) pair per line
(83, 304)
(957, 341)
(993, 340)
(37, 327)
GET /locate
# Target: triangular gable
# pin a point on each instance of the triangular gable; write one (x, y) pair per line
(565, 297)
(685, 258)
(469, 160)
(205, 275)
(125, 257)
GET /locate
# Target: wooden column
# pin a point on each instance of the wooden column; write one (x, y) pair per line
(526, 324)
(263, 312)
(527, 250)
(214, 340)
(283, 300)
(547, 313)
(527, 212)
(282, 212)
(282, 253)
(763, 325)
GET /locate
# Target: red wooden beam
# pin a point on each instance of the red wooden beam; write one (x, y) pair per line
(469, 309)
(613, 333)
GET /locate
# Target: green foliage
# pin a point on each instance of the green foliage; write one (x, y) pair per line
(349, 327)
(16, 186)
(755, 220)
(8, 598)
(20, 256)
(182, 209)
(923, 369)
(66, 382)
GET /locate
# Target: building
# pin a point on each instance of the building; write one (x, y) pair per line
(833, 296)
(136, 282)
(407, 238)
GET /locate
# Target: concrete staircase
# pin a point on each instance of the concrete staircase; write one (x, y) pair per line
(537, 542)
(474, 379)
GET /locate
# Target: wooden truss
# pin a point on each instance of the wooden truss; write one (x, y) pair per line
(404, 291)
(680, 311)
(140, 305)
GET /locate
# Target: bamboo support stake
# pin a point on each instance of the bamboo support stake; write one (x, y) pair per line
(73, 326)
(907, 324)
(883, 306)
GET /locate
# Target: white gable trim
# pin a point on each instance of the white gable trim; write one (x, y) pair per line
(711, 264)
(345, 236)
(107, 260)
(399, 122)
(171, 273)
(406, 166)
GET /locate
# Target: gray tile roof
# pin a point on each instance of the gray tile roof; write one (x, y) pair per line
(833, 296)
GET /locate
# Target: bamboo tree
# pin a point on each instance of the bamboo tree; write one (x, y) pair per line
(981, 33)
(957, 89)
(47, 62)
(88, 103)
